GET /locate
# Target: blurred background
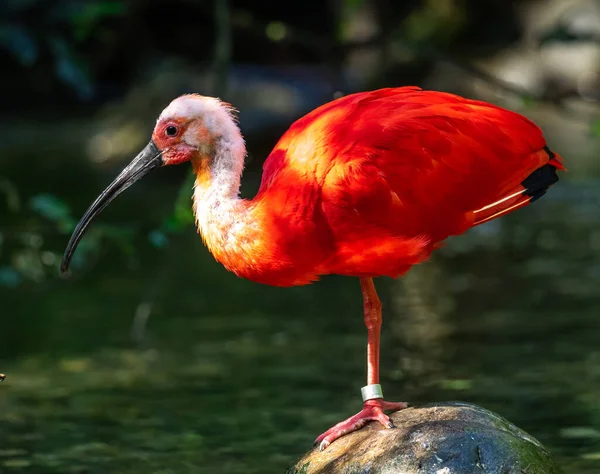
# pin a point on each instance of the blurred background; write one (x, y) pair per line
(152, 358)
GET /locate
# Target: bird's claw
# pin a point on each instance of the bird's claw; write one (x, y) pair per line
(372, 411)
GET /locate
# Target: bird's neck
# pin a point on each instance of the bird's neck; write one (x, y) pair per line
(224, 220)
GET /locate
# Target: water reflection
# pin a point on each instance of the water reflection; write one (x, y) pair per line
(419, 324)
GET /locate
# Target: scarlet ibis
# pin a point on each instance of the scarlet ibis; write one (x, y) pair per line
(366, 185)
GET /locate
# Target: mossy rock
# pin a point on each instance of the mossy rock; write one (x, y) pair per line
(441, 438)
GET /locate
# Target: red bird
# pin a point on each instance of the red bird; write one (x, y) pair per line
(367, 185)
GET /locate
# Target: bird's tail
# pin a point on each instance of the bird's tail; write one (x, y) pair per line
(529, 190)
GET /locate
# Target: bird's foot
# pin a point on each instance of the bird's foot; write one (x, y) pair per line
(372, 411)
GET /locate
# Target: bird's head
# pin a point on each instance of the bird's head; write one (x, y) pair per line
(190, 126)
(189, 129)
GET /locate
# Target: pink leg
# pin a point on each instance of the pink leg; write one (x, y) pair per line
(373, 409)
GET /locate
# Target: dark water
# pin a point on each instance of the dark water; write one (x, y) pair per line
(234, 377)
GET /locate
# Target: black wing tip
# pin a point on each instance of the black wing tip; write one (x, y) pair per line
(551, 154)
(538, 182)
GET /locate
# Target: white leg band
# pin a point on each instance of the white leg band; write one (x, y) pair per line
(369, 392)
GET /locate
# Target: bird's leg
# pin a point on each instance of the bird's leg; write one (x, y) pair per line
(373, 320)
(374, 404)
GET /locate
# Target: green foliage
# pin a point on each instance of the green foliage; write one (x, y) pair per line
(53, 209)
(456, 384)
(71, 68)
(61, 32)
(348, 10)
(563, 34)
(182, 215)
(276, 31)
(9, 277)
(28, 253)
(595, 128)
(181, 218)
(528, 101)
(158, 239)
(86, 17)
(13, 203)
(435, 22)
(19, 42)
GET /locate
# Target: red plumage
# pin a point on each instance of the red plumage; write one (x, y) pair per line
(371, 183)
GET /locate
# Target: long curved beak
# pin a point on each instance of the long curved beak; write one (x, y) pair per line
(147, 160)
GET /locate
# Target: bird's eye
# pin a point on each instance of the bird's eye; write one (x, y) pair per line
(171, 130)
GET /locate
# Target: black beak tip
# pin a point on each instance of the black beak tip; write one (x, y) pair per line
(64, 268)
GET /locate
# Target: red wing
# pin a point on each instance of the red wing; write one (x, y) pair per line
(441, 155)
(305, 147)
(409, 165)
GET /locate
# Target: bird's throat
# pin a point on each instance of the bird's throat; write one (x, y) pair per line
(202, 170)
(226, 222)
